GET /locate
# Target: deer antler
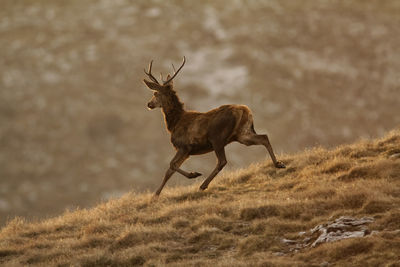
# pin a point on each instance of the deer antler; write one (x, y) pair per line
(176, 72)
(149, 73)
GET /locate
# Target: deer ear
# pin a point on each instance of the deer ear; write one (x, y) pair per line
(151, 85)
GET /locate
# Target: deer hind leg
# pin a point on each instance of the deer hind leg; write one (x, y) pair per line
(252, 138)
(220, 152)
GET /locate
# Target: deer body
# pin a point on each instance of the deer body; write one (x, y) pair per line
(196, 130)
(195, 133)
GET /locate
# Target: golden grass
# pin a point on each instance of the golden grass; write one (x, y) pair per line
(240, 220)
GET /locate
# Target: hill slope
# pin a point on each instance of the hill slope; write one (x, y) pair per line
(255, 216)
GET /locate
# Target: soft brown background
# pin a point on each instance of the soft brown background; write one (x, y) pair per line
(74, 128)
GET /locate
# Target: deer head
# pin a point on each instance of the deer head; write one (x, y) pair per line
(161, 90)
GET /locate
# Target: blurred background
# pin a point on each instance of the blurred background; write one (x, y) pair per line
(74, 127)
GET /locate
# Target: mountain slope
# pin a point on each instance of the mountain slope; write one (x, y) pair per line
(255, 216)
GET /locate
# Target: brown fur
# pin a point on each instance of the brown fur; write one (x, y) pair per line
(194, 133)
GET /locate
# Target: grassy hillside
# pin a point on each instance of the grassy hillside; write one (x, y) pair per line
(245, 217)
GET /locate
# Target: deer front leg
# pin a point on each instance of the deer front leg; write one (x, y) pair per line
(180, 157)
(189, 175)
(220, 165)
(176, 162)
(168, 175)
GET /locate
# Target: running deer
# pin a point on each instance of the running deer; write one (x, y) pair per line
(195, 133)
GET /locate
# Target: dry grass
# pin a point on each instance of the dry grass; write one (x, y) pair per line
(239, 221)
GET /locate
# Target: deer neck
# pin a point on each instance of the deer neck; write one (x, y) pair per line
(172, 111)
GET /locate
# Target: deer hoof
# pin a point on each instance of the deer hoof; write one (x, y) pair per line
(194, 175)
(279, 164)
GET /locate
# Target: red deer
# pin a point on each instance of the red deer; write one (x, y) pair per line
(195, 133)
